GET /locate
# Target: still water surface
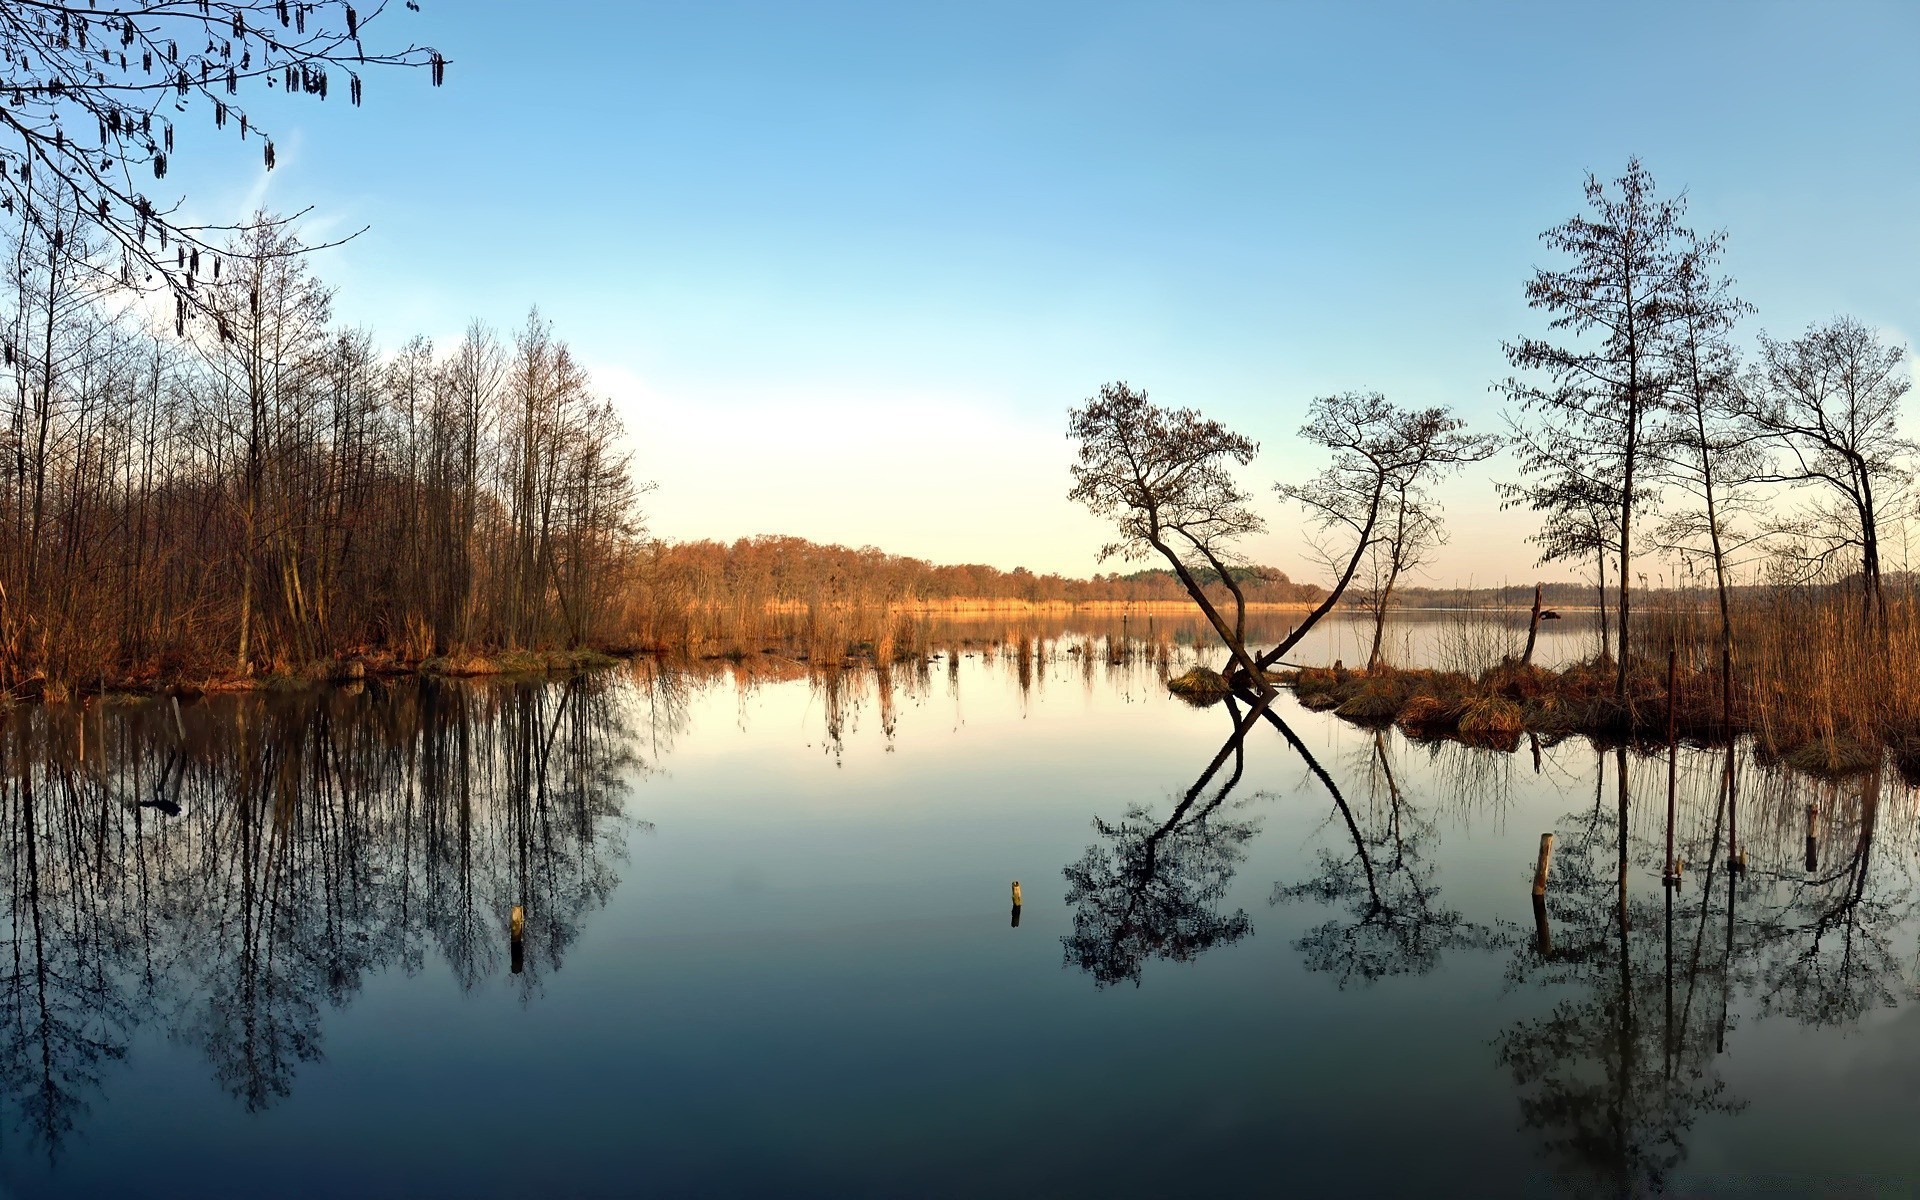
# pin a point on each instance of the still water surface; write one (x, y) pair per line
(265, 949)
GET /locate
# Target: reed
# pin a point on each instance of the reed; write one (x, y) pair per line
(1817, 683)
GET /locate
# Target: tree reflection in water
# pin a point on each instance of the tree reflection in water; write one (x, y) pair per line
(1151, 889)
(1614, 1076)
(314, 840)
(1620, 1071)
(1645, 984)
(1393, 923)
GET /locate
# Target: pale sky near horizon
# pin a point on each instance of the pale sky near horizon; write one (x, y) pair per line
(844, 267)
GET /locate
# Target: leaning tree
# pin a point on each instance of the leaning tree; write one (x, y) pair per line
(1162, 476)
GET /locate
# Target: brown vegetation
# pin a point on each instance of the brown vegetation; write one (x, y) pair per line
(820, 601)
(1814, 685)
(283, 497)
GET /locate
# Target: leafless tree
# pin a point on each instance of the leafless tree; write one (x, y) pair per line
(1580, 511)
(93, 92)
(1828, 402)
(1706, 447)
(1161, 476)
(1383, 455)
(1617, 304)
(1411, 530)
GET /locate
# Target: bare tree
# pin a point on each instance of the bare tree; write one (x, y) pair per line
(1707, 447)
(93, 91)
(1161, 476)
(1382, 455)
(1411, 531)
(1829, 403)
(286, 496)
(1618, 302)
(1580, 511)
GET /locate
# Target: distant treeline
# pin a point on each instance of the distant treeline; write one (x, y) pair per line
(705, 593)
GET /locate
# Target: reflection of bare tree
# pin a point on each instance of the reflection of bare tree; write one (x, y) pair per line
(1394, 924)
(1617, 1073)
(62, 1019)
(1151, 889)
(233, 878)
(1823, 940)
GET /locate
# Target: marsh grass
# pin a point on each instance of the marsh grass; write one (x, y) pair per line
(1817, 684)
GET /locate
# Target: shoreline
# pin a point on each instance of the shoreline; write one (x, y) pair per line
(1509, 701)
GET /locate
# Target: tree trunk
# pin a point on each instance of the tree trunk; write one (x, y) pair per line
(1533, 628)
(1601, 578)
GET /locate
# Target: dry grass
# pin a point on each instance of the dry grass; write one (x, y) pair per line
(1816, 683)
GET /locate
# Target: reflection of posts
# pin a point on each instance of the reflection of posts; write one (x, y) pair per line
(1813, 838)
(519, 931)
(1016, 904)
(1670, 876)
(1540, 868)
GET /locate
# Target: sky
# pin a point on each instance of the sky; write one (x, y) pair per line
(843, 268)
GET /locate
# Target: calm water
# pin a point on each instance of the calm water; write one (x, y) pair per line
(265, 949)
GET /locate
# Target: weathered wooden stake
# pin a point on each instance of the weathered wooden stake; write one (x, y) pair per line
(1016, 904)
(179, 726)
(1542, 932)
(1813, 837)
(1533, 628)
(519, 932)
(1546, 861)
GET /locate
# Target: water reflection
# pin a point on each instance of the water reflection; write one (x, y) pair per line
(1150, 888)
(1631, 991)
(231, 873)
(212, 892)
(1390, 920)
(1612, 1078)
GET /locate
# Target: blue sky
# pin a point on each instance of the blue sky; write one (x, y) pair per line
(845, 266)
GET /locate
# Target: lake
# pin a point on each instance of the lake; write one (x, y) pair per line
(263, 944)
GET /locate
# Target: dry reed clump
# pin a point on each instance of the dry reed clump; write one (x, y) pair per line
(1314, 687)
(1200, 686)
(1493, 721)
(1426, 716)
(516, 662)
(1374, 705)
(1835, 756)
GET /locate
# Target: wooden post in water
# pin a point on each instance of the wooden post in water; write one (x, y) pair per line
(1672, 876)
(1813, 837)
(1546, 861)
(519, 933)
(1543, 934)
(1016, 904)
(1533, 628)
(179, 726)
